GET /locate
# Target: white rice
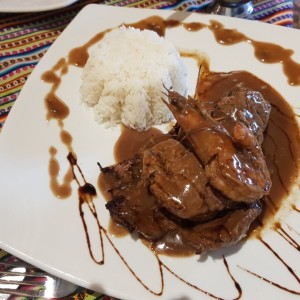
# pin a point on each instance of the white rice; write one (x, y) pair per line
(124, 78)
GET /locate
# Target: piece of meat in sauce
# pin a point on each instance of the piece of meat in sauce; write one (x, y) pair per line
(223, 231)
(244, 113)
(132, 204)
(233, 159)
(178, 181)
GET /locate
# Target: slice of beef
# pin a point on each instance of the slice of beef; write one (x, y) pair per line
(132, 204)
(138, 212)
(222, 232)
(178, 181)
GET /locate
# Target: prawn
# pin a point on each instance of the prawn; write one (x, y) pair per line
(234, 162)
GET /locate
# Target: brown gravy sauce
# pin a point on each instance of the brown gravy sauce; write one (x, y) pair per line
(281, 143)
(131, 142)
(57, 110)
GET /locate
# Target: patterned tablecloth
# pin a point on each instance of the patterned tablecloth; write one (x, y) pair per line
(25, 37)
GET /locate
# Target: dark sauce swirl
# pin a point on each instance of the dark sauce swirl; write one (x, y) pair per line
(288, 267)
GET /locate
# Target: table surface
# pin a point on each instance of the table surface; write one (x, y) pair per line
(20, 33)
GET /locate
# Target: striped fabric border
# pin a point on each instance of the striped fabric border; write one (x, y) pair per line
(274, 12)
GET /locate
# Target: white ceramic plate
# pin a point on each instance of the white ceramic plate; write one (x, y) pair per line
(17, 6)
(48, 232)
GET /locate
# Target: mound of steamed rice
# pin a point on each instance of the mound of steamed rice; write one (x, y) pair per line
(125, 78)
